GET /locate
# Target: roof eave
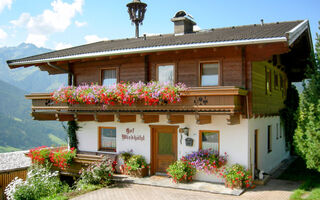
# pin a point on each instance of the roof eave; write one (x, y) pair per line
(294, 33)
(150, 50)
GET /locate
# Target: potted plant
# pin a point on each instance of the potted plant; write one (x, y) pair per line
(236, 176)
(137, 166)
(181, 171)
(125, 156)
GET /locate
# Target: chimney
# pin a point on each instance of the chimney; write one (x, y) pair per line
(183, 23)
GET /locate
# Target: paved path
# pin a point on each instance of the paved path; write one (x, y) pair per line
(274, 190)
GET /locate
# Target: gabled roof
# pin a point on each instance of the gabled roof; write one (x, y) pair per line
(237, 35)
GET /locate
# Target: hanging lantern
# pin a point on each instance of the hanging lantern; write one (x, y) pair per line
(136, 11)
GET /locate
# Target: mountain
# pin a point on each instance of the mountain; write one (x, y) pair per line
(27, 79)
(17, 129)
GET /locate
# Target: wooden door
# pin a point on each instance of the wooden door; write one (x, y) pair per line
(164, 147)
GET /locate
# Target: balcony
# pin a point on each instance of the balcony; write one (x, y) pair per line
(201, 100)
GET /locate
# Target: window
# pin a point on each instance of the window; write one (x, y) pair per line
(268, 81)
(280, 130)
(277, 127)
(107, 138)
(269, 139)
(109, 77)
(209, 73)
(165, 74)
(276, 80)
(209, 140)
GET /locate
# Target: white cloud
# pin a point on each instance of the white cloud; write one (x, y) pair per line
(80, 24)
(5, 3)
(62, 45)
(37, 39)
(57, 19)
(3, 34)
(93, 38)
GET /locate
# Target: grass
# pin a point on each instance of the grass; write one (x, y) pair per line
(4, 149)
(310, 188)
(56, 140)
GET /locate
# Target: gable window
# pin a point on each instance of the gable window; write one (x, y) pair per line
(165, 73)
(209, 74)
(109, 77)
(268, 80)
(107, 138)
(209, 140)
(269, 139)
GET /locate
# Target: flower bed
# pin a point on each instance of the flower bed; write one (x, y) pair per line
(152, 93)
(59, 157)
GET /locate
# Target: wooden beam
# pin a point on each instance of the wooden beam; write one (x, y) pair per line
(233, 119)
(175, 119)
(150, 118)
(127, 118)
(105, 118)
(203, 119)
(85, 118)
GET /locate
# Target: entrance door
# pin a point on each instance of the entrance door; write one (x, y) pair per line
(256, 149)
(164, 147)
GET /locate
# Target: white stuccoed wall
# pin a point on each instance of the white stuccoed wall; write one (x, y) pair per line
(267, 161)
(233, 138)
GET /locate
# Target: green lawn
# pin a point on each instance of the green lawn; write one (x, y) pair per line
(310, 188)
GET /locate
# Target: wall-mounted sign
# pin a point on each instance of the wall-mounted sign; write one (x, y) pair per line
(131, 136)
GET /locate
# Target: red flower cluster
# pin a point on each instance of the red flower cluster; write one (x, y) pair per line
(39, 155)
(60, 157)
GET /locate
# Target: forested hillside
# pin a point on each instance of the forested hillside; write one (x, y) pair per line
(17, 129)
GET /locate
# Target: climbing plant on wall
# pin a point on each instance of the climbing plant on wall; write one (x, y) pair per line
(72, 134)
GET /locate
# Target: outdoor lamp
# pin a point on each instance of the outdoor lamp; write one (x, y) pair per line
(186, 131)
(136, 10)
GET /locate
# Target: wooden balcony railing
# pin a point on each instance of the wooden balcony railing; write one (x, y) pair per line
(223, 100)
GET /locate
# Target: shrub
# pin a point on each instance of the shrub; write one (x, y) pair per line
(99, 173)
(40, 182)
(136, 162)
(237, 175)
(126, 155)
(181, 171)
(207, 161)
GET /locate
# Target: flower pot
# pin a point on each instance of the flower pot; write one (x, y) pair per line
(235, 184)
(123, 170)
(139, 173)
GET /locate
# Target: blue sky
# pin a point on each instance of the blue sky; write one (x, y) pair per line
(57, 24)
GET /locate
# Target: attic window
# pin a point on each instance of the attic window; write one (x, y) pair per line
(209, 74)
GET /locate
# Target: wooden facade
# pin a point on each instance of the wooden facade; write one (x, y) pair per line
(241, 68)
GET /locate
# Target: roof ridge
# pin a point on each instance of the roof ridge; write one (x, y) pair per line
(249, 25)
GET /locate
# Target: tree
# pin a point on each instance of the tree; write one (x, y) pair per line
(307, 134)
